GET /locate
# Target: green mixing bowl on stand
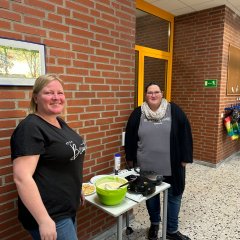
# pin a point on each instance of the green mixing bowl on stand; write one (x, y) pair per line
(108, 191)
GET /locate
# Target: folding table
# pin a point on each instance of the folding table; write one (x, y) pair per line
(131, 200)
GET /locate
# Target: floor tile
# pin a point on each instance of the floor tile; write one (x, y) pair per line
(210, 205)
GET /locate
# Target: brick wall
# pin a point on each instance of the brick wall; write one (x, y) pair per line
(201, 42)
(90, 44)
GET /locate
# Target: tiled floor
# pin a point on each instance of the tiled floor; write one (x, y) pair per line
(210, 206)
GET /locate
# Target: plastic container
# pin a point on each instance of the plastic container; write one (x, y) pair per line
(108, 196)
(117, 163)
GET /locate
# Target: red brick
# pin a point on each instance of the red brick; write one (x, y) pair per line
(10, 15)
(25, 9)
(30, 30)
(4, 24)
(62, 10)
(32, 21)
(55, 18)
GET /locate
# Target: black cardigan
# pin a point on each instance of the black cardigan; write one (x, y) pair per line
(181, 144)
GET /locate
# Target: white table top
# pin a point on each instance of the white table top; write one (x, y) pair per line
(129, 201)
(115, 210)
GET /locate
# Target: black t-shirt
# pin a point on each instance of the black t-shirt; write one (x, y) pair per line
(58, 174)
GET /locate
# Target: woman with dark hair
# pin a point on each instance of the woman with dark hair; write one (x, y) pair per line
(158, 138)
(47, 165)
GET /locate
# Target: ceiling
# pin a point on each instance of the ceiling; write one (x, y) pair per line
(180, 7)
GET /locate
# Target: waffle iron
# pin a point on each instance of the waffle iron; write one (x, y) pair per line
(145, 183)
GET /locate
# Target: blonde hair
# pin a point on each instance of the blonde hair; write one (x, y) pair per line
(40, 83)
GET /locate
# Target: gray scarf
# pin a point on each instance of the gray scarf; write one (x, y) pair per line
(159, 114)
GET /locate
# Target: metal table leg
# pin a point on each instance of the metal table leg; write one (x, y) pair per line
(119, 227)
(164, 222)
(129, 230)
(127, 219)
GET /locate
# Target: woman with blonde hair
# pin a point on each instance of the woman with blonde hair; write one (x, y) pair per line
(47, 165)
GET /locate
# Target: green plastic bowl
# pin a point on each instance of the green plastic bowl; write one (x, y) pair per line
(111, 197)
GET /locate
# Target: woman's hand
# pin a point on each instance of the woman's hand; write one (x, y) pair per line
(183, 164)
(47, 230)
(82, 199)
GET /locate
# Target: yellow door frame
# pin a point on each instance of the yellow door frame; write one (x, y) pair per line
(144, 51)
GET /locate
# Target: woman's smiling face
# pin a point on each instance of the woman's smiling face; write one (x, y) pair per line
(153, 97)
(51, 99)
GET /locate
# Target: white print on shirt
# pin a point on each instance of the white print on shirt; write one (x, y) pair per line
(162, 121)
(76, 151)
(157, 122)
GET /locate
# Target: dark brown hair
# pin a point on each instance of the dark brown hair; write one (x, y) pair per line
(150, 84)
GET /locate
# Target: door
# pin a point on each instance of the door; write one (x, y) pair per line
(154, 40)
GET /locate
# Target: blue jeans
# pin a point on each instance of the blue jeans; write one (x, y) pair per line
(173, 208)
(66, 230)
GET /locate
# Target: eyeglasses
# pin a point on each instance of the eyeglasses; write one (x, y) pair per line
(153, 93)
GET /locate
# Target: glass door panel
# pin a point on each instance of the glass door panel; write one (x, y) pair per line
(150, 69)
(152, 66)
(155, 71)
(152, 31)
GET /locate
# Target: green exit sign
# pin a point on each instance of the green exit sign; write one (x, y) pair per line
(210, 83)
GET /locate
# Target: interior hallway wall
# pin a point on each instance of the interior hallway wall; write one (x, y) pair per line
(200, 52)
(90, 44)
